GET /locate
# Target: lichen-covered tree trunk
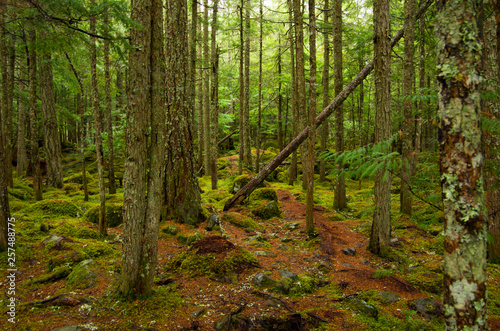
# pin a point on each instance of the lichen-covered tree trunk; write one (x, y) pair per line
(340, 200)
(407, 139)
(259, 103)
(52, 142)
(97, 128)
(247, 154)
(458, 74)
(326, 90)
(241, 81)
(292, 176)
(381, 226)
(109, 115)
(280, 97)
(206, 91)
(6, 107)
(22, 155)
(312, 120)
(214, 98)
(182, 190)
(34, 155)
(301, 80)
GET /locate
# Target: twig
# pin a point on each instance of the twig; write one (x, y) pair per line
(317, 317)
(262, 294)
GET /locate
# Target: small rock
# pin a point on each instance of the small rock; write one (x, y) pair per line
(388, 297)
(83, 276)
(272, 235)
(348, 265)
(324, 267)
(264, 253)
(291, 226)
(262, 279)
(350, 251)
(283, 247)
(256, 244)
(69, 328)
(222, 324)
(285, 240)
(365, 262)
(213, 220)
(367, 308)
(426, 307)
(53, 238)
(197, 313)
(288, 274)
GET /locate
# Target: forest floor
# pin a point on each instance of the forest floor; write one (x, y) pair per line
(256, 273)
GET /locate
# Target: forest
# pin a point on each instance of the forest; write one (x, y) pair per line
(250, 165)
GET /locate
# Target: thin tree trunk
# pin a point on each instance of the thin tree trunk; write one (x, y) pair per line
(326, 90)
(192, 77)
(301, 80)
(459, 78)
(340, 200)
(214, 100)
(241, 150)
(247, 152)
(259, 106)
(295, 121)
(35, 159)
(109, 115)
(421, 85)
(6, 108)
(206, 91)
(22, 155)
(280, 98)
(97, 128)
(408, 161)
(4, 194)
(312, 118)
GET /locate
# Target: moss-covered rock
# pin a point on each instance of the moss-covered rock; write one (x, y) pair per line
(78, 178)
(94, 249)
(189, 239)
(114, 214)
(65, 259)
(263, 193)
(83, 275)
(21, 192)
(427, 281)
(238, 220)
(267, 210)
(80, 231)
(241, 181)
(170, 229)
(57, 274)
(296, 286)
(57, 207)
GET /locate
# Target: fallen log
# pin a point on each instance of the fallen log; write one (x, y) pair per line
(227, 137)
(246, 190)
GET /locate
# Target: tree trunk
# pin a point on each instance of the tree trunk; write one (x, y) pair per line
(340, 200)
(241, 149)
(460, 165)
(6, 107)
(22, 156)
(4, 194)
(247, 154)
(309, 174)
(326, 90)
(35, 159)
(109, 115)
(280, 98)
(407, 163)
(182, 190)
(421, 85)
(192, 80)
(97, 128)
(295, 121)
(206, 91)
(246, 190)
(214, 99)
(259, 106)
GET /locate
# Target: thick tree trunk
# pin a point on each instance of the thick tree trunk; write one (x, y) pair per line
(4, 194)
(109, 115)
(34, 156)
(214, 99)
(246, 190)
(340, 200)
(421, 85)
(192, 80)
(309, 175)
(22, 155)
(97, 128)
(182, 190)
(459, 55)
(326, 90)
(407, 163)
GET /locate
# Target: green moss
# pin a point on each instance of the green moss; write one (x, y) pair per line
(80, 231)
(427, 281)
(170, 229)
(93, 249)
(83, 275)
(21, 192)
(239, 220)
(78, 178)
(189, 239)
(267, 210)
(264, 193)
(57, 207)
(436, 245)
(65, 259)
(209, 265)
(114, 214)
(298, 286)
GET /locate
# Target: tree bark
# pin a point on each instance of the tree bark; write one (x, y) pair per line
(459, 77)
(408, 159)
(97, 128)
(6, 107)
(295, 121)
(259, 105)
(214, 99)
(421, 85)
(109, 115)
(182, 190)
(247, 152)
(326, 90)
(206, 91)
(241, 148)
(340, 200)
(280, 98)
(22, 155)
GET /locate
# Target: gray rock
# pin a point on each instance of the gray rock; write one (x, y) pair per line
(213, 220)
(198, 313)
(283, 247)
(365, 262)
(264, 253)
(285, 240)
(272, 235)
(288, 274)
(291, 226)
(222, 324)
(426, 307)
(347, 265)
(83, 275)
(69, 328)
(264, 280)
(350, 251)
(53, 238)
(367, 308)
(256, 244)
(388, 297)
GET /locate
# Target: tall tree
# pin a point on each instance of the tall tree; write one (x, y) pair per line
(192, 80)
(97, 127)
(109, 113)
(407, 140)
(51, 137)
(421, 85)
(301, 80)
(247, 154)
(459, 55)
(326, 89)
(312, 120)
(22, 155)
(381, 226)
(295, 121)
(143, 184)
(259, 104)
(280, 96)
(182, 190)
(206, 90)
(6, 107)
(242, 141)
(4, 194)
(214, 98)
(34, 155)
(340, 200)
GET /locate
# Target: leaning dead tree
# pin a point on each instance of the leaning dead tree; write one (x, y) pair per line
(246, 190)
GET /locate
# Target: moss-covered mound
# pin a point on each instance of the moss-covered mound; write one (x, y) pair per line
(238, 220)
(114, 214)
(83, 275)
(241, 181)
(189, 239)
(264, 193)
(21, 192)
(212, 256)
(80, 231)
(427, 281)
(78, 178)
(267, 210)
(57, 207)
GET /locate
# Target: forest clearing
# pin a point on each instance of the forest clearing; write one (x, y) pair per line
(249, 165)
